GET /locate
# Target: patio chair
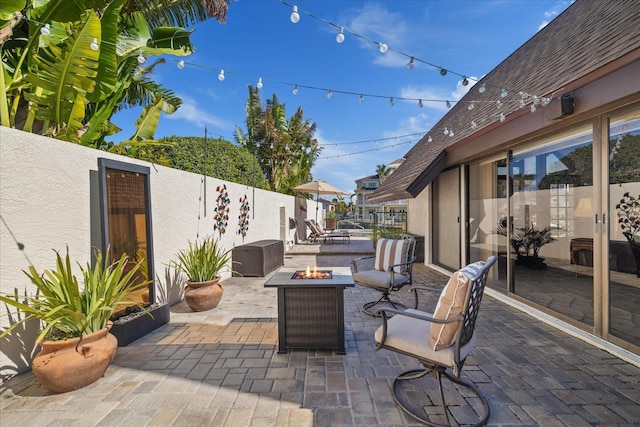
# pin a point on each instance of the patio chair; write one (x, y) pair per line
(392, 270)
(440, 341)
(317, 233)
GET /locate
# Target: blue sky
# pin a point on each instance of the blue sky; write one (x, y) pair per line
(259, 40)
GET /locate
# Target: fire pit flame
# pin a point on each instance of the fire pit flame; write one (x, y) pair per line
(312, 274)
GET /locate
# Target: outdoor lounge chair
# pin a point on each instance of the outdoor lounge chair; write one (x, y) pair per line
(440, 341)
(392, 270)
(317, 233)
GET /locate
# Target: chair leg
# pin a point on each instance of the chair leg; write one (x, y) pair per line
(368, 308)
(438, 374)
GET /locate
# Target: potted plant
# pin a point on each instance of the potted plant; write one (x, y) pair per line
(202, 263)
(331, 220)
(629, 220)
(76, 346)
(526, 243)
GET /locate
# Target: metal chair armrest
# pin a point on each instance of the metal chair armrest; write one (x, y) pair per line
(355, 262)
(424, 288)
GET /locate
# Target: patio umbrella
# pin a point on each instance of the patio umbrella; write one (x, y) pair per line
(319, 187)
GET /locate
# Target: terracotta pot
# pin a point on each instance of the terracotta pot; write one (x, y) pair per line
(70, 364)
(202, 296)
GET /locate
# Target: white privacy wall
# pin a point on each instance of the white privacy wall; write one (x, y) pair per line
(49, 200)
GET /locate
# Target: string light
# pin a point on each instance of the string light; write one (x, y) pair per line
(46, 30)
(295, 90)
(420, 104)
(471, 105)
(533, 108)
(221, 76)
(410, 64)
(504, 93)
(499, 103)
(361, 99)
(391, 102)
(443, 72)
(502, 117)
(295, 16)
(329, 94)
(474, 125)
(383, 47)
(340, 36)
(448, 104)
(446, 131)
(180, 65)
(141, 58)
(259, 84)
(465, 81)
(429, 139)
(94, 45)
(482, 88)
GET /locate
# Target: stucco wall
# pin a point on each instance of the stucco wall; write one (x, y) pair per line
(49, 200)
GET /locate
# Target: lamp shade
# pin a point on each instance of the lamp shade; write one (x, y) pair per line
(584, 208)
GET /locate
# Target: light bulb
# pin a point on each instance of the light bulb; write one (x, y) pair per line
(448, 104)
(474, 125)
(329, 95)
(410, 64)
(536, 100)
(141, 58)
(383, 47)
(94, 44)
(420, 104)
(471, 105)
(521, 103)
(259, 85)
(295, 16)
(446, 131)
(499, 104)
(46, 30)
(504, 93)
(361, 100)
(502, 118)
(450, 133)
(443, 72)
(180, 65)
(482, 88)
(533, 108)
(340, 36)
(295, 90)
(391, 101)
(221, 76)
(465, 81)
(429, 139)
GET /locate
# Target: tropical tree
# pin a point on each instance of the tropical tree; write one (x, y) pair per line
(67, 67)
(383, 172)
(285, 148)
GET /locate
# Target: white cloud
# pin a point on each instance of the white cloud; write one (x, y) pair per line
(378, 24)
(190, 112)
(550, 14)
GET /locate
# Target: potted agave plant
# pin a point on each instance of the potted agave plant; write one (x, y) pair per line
(76, 345)
(202, 263)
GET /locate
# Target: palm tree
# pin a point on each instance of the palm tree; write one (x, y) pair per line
(285, 148)
(69, 66)
(383, 172)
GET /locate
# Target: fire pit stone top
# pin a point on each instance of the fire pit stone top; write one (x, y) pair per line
(311, 274)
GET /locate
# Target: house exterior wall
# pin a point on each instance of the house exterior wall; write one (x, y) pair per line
(610, 95)
(49, 201)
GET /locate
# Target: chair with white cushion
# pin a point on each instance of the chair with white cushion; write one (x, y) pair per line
(392, 270)
(440, 342)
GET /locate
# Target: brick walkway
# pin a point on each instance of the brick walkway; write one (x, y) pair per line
(221, 367)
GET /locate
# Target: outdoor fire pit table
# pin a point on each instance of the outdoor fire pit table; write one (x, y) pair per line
(311, 309)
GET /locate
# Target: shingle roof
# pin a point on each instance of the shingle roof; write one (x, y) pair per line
(585, 37)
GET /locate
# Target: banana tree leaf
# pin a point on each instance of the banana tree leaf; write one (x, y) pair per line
(62, 10)
(64, 71)
(108, 62)
(147, 123)
(170, 40)
(130, 42)
(9, 7)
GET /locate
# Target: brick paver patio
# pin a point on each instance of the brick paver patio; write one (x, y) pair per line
(221, 367)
